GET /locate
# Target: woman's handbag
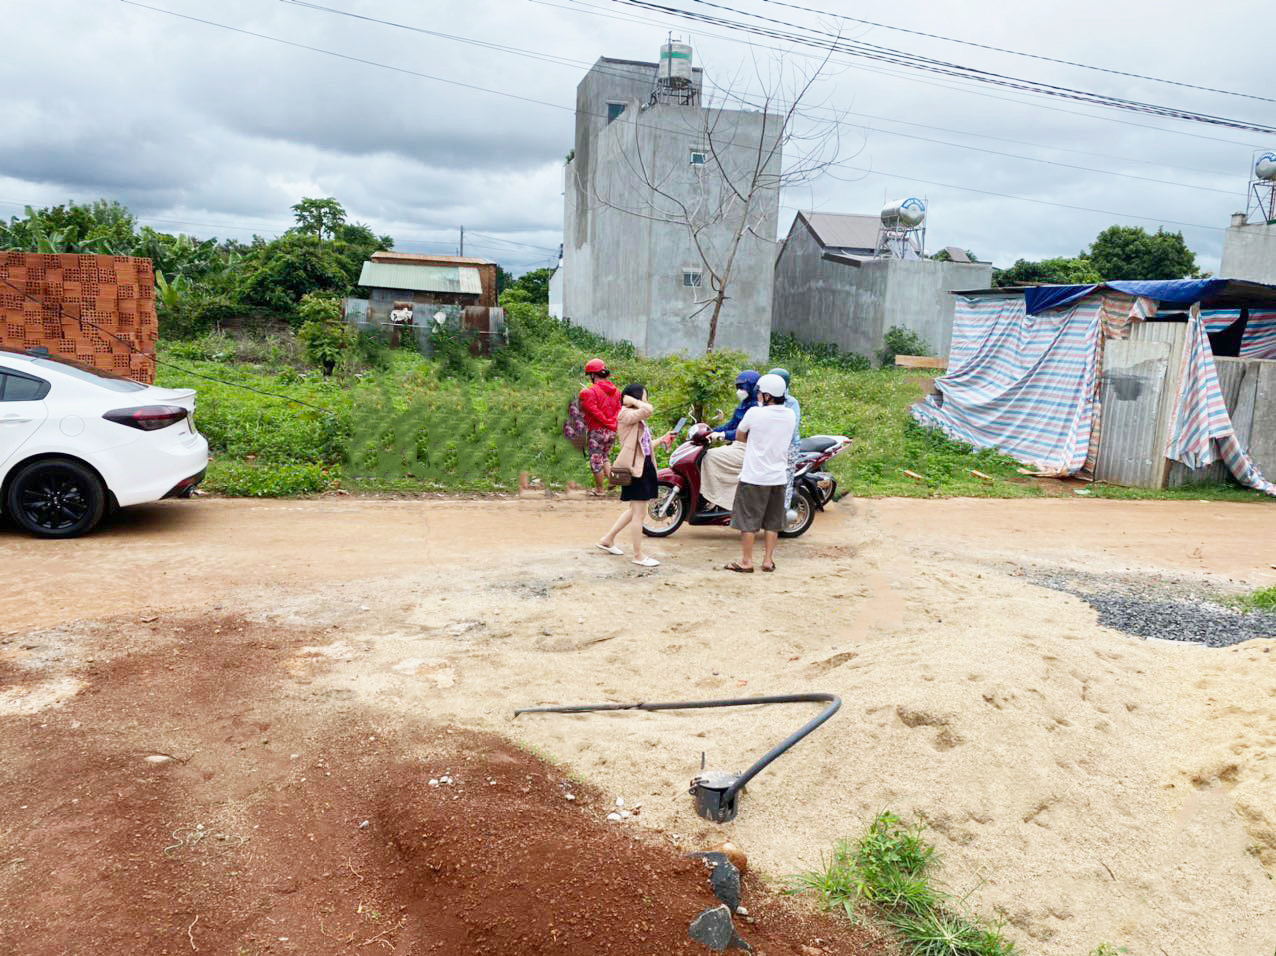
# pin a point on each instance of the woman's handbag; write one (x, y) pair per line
(622, 475)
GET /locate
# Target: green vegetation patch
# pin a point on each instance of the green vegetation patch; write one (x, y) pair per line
(888, 871)
(1262, 600)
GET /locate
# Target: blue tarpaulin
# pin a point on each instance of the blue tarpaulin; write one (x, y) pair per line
(1039, 299)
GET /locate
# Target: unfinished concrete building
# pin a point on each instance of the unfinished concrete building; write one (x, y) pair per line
(842, 280)
(650, 157)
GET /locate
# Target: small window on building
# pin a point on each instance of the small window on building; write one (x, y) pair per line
(614, 110)
(699, 157)
(692, 278)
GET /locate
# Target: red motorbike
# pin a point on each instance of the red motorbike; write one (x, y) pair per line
(679, 498)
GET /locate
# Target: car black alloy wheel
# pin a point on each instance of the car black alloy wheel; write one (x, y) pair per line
(56, 498)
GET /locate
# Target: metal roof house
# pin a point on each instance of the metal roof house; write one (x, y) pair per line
(456, 290)
(832, 287)
(1147, 384)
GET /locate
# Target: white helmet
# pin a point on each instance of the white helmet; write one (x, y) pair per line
(772, 385)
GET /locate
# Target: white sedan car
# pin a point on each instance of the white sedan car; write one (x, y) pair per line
(76, 442)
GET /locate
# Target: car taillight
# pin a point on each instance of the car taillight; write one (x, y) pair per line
(148, 418)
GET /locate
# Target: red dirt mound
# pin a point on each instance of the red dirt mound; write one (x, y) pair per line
(284, 820)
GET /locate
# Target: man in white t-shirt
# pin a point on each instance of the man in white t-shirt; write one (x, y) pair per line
(767, 431)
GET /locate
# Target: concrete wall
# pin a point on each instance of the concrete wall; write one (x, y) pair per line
(625, 251)
(853, 307)
(556, 293)
(1249, 252)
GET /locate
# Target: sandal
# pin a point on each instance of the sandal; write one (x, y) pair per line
(770, 569)
(737, 566)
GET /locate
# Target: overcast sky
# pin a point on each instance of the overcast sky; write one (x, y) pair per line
(202, 130)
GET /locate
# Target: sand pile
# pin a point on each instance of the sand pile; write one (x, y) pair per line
(1086, 786)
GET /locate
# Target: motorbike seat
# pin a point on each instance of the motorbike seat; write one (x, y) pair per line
(816, 444)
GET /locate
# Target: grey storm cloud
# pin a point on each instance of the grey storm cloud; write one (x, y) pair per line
(221, 131)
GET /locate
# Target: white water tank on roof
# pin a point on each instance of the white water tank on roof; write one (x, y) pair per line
(675, 64)
(906, 213)
(1265, 168)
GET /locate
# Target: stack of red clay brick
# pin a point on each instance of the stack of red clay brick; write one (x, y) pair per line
(97, 310)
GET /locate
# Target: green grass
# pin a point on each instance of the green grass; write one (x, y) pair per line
(399, 421)
(1263, 600)
(888, 870)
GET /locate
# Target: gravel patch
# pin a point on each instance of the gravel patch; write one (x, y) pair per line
(1161, 608)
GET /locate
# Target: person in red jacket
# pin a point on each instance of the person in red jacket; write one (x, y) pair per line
(600, 401)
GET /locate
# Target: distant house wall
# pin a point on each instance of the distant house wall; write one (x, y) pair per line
(381, 301)
(819, 300)
(1249, 252)
(556, 294)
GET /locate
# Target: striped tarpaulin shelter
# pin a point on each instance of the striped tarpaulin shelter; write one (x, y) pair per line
(1203, 431)
(1259, 340)
(1025, 367)
(1023, 384)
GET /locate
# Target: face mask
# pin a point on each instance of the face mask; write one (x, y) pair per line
(741, 394)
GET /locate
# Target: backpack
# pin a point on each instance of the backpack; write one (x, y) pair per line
(575, 429)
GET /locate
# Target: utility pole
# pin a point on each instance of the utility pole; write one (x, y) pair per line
(462, 252)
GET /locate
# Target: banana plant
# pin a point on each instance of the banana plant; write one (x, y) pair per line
(169, 295)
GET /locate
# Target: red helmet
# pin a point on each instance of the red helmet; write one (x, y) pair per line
(595, 367)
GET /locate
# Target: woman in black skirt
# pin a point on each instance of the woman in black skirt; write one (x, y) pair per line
(636, 446)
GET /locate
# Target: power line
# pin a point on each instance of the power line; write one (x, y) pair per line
(1022, 53)
(900, 58)
(581, 6)
(396, 69)
(1020, 156)
(517, 51)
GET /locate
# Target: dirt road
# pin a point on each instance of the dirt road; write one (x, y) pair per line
(1087, 786)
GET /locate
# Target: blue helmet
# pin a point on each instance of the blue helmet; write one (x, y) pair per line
(747, 380)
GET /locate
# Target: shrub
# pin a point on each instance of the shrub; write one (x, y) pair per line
(450, 346)
(901, 341)
(799, 357)
(324, 333)
(242, 480)
(705, 384)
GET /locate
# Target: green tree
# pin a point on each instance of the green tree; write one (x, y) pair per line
(354, 245)
(319, 217)
(943, 255)
(531, 286)
(280, 273)
(102, 227)
(1049, 271)
(1131, 252)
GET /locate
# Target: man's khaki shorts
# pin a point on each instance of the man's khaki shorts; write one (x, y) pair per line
(758, 508)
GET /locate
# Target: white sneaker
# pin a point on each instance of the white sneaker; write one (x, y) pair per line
(612, 550)
(647, 563)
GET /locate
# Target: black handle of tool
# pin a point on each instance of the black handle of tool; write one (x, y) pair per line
(834, 703)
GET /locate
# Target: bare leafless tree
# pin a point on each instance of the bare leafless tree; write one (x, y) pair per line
(753, 147)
